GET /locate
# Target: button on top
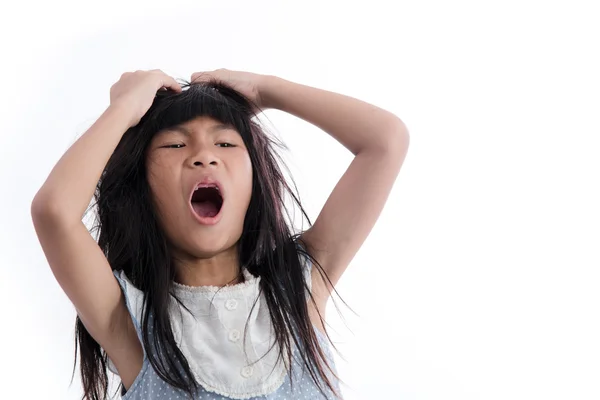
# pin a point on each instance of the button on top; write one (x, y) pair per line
(247, 371)
(234, 335)
(231, 304)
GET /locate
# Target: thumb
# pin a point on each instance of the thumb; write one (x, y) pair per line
(201, 76)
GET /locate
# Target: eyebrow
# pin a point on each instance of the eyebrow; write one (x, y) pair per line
(212, 130)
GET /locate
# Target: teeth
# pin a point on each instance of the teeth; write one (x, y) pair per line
(205, 185)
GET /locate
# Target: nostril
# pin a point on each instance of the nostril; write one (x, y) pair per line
(198, 163)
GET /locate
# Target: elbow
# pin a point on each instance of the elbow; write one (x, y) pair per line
(395, 142)
(400, 134)
(47, 216)
(400, 138)
(394, 149)
(41, 209)
(49, 207)
(45, 209)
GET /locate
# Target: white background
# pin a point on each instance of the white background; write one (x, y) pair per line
(481, 278)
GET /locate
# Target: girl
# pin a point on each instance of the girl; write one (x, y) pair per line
(197, 287)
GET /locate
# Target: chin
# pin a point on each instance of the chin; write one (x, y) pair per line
(208, 244)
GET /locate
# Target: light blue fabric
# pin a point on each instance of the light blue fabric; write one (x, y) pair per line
(149, 386)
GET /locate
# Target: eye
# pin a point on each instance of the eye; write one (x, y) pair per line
(228, 144)
(173, 146)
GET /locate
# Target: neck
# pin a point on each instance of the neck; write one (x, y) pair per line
(220, 269)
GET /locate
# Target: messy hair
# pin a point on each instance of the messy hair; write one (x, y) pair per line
(133, 242)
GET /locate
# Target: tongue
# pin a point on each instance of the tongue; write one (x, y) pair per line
(205, 208)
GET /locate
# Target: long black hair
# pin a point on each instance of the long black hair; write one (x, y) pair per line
(132, 240)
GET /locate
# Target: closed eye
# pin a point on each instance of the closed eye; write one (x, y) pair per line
(179, 145)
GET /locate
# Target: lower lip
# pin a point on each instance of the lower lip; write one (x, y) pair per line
(207, 220)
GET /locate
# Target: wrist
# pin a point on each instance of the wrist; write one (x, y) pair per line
(267, 89)
(121, 114)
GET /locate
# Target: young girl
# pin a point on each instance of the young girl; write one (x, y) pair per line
(197, 288)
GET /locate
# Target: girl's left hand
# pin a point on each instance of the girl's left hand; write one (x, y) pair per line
(247, 83)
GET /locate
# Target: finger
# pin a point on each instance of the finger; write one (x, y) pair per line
(170, 83)
(167, 81)
(201, 76)
(175, 85)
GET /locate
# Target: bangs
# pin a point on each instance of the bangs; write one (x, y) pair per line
(210, 99)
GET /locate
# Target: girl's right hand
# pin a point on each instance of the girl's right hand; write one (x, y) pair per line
(135, 91)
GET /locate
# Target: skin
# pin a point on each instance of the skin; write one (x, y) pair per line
(203, 254)
(378, 140)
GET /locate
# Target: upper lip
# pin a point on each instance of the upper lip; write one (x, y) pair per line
(206, 180)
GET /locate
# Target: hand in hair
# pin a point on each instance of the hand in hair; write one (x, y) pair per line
(135, 91)
(247, 83)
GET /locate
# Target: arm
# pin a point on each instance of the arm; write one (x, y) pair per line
(76, 261)
(357, 125)
(70, 186)
(378, 139)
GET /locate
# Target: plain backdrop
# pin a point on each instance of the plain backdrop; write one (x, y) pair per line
(480, 279)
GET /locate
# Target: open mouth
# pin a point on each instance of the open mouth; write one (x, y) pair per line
(207, 201)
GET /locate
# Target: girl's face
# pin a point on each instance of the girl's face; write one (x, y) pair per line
(177, 160)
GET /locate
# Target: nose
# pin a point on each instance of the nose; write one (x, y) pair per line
(204, 156)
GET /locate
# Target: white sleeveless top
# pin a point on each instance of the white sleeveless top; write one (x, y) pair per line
(212, 340)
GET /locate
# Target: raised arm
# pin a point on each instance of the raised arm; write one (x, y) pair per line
(378, 139)
(76, 260)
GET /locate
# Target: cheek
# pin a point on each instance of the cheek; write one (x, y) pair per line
(160, 183)
(160, 173)
(246, 175)
(154, 177)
